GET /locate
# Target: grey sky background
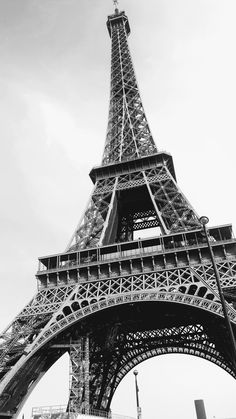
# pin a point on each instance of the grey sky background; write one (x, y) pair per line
(54, 92)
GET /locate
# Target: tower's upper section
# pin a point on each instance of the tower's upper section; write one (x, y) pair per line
(116, 19)
(128, 134)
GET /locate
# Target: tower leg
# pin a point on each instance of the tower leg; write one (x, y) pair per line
(86, 375)
(79, 376)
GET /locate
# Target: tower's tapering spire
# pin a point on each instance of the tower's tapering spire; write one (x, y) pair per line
(116, 6)
(117, 297)
(128, 134)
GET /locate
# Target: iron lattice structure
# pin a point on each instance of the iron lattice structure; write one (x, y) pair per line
(111, 300)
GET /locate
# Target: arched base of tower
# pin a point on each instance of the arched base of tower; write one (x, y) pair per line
(120, 337)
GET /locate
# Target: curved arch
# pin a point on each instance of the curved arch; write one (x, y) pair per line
(77, 314)
(162, 352)
(58, 324)
(36, 382)
(165, 351)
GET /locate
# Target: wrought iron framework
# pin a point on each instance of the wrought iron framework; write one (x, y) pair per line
(112, 301)
(79, 376)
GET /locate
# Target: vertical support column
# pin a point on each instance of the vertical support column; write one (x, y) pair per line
(86, 375)
(200, 409)
(79, 376)
(75, 396)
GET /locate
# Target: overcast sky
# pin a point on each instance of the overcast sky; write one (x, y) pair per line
(54, 83)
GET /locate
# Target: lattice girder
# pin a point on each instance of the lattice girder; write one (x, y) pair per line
(134, 299)
(136, 347)
(186, 287)
(50, 300)
(177, 285)
(79, 376)
(156, 191)
(191, 340)
(128, 132)
(179, 339)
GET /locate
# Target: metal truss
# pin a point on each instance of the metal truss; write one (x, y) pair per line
(191, 340)
(166, 208)
(176, 211)
(89, 230)
(187, 286)
(128, 132)
(184, 286)
(64, 306)
(35, 316)
(128, 139)
(79, 376)
(132, 348)
(111, 301)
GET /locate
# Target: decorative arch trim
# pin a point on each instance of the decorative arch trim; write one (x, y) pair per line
(59, 324)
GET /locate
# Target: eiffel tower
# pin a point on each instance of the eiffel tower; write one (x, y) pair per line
(112, 300)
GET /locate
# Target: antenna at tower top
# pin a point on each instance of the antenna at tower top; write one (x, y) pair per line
(116, 5)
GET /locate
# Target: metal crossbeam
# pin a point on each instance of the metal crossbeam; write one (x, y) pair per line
(112, 301)
(79, 376)
(153, 190)
(128, 133)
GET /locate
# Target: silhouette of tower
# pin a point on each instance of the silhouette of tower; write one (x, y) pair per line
(112, 300)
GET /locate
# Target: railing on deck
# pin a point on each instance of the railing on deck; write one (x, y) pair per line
(140, 247)
(59, 412)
